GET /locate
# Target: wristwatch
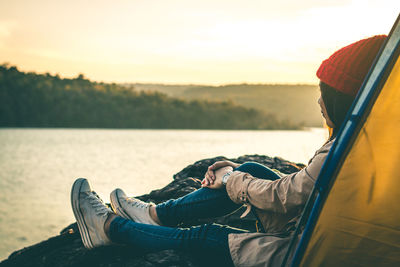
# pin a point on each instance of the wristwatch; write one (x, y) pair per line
(226, 177)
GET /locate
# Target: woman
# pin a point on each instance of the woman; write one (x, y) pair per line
(275, 199)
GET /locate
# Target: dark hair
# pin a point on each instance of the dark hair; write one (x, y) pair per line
(337, 104)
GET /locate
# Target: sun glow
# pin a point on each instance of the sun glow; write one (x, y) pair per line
(176, 41)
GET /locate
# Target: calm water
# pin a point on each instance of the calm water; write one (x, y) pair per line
(38, 167)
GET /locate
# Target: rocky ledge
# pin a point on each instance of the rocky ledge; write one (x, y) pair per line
(67, 249)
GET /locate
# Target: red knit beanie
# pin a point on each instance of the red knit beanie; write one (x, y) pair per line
(346, 69)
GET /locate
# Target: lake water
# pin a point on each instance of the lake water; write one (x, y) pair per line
(38, 167)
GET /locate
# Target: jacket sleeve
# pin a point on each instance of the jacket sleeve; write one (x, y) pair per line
(281, 195)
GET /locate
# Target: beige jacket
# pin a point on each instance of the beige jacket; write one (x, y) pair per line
(278, 205)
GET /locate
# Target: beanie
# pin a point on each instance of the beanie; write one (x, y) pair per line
(346, 69)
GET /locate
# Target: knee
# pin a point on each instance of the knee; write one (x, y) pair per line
(247, 166)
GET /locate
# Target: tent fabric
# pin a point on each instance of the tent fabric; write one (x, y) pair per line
(359, 223)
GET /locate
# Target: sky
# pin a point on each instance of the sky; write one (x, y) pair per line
(186, 41)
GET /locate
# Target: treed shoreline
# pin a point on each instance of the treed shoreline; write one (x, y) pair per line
(44, 100)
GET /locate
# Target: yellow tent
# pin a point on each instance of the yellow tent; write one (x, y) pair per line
(353, 215)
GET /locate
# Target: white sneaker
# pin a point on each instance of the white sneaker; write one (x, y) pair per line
(90, 213)
(131, 208)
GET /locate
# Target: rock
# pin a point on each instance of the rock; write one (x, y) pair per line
(198, 169)
(67, 249)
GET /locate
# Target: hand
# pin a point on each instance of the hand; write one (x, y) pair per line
(209, 177)
(217, 182)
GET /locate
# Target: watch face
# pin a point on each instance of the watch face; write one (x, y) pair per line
(225, 178)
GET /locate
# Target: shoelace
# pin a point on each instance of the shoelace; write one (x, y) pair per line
(97, 204)
(136, 203)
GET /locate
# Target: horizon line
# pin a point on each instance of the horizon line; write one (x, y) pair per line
(9, 65)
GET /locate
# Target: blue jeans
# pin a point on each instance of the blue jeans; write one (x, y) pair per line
(209, 241)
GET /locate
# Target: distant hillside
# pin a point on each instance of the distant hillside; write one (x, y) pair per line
(44, 100)
(296, 103)
(170, 90)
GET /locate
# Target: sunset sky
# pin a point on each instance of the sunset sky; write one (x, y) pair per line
(186, 41)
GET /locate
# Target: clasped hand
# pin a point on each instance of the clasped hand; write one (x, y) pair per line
(213, 177)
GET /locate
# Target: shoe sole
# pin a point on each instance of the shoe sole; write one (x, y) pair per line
(116, 205)
(80, 219)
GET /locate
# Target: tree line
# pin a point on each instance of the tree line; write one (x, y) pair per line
(28, 99)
